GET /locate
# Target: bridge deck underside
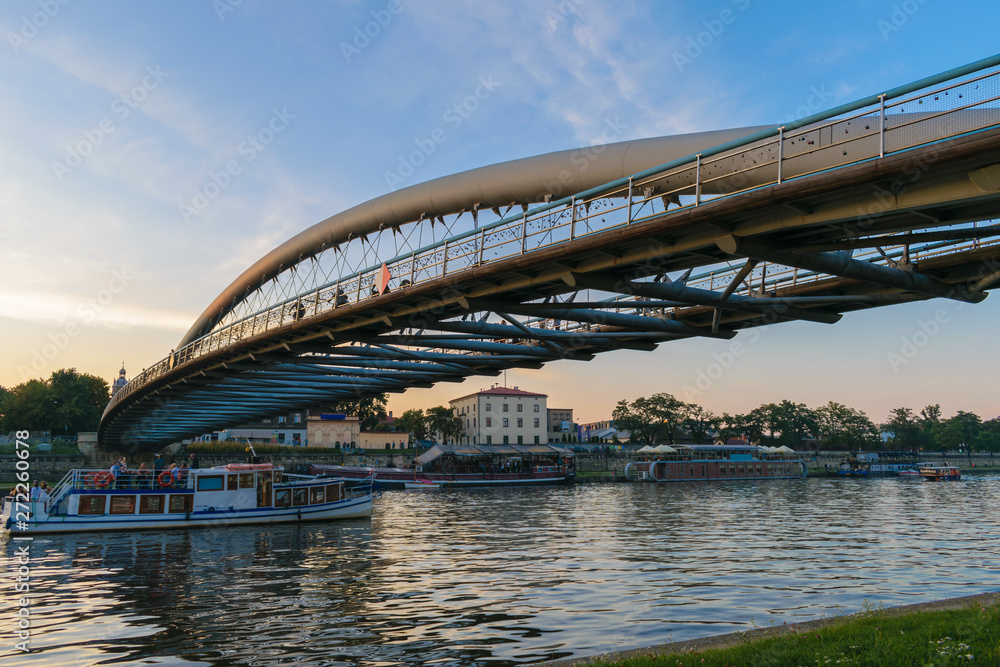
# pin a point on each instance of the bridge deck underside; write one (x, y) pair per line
(792, 251)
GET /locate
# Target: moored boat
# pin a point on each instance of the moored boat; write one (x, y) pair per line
(470, 465)
(690, 463)
(234, 494)
(424, 484)
(940, 473)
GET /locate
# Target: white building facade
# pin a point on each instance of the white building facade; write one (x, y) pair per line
(502, 416)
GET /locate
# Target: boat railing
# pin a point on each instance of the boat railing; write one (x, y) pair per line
(82, 479)
(365, 487)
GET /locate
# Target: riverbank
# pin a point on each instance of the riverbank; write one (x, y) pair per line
(940, 632)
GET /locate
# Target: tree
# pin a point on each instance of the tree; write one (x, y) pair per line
(699, 423)
(729, 426)
(413, 422)
(442, 421)
(930, 414)
(794, 421)
(79, 400)
(905, 428)
(841, 427)
(959, 432)
(988, 439)
(68, 402)
(369, 409)
(649, 419)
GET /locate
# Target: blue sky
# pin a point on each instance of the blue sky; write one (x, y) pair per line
(101, 262)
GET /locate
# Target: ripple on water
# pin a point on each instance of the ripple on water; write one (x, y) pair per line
(507, 576)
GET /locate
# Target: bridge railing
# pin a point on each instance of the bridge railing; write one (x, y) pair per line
(922, 113)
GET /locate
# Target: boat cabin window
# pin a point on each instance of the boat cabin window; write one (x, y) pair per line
(234, 482)
(300, 497)
(181, 502)
(151, 504)
(283, 498)
(92, 504)
(246, 480)
(122, 504)
(722, 471)
(211, 482)
(332, 493)
(316, 495)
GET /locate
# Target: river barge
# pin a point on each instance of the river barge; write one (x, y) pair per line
(454, 466)
(234, 494)
(692, 463)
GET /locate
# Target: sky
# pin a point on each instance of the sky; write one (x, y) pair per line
(115, 116)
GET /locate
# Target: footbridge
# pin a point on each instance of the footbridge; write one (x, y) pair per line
(886, 200)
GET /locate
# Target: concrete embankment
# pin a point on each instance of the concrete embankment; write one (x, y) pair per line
(737, 638)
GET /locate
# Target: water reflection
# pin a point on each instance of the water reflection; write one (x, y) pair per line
(506, 576)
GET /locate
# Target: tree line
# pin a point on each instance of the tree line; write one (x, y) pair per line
(663, 418)
(67, 403)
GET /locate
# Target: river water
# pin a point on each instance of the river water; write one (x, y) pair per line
(508, 576)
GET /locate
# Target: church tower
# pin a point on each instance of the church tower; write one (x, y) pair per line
(120, 382)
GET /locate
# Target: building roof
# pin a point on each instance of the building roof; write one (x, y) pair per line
(499, 391)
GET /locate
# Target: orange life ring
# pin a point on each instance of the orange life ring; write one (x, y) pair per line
(170, 478)
(89, 479)
(102, 479)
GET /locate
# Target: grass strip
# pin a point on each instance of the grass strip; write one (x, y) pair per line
(937, 634)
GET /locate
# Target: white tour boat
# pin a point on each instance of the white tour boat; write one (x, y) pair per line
(234, 494)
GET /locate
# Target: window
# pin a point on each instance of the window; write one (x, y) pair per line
(122, 504)
(317, 495)
(211, 482)
(332, 493)
(520, 407)
(489, 421)
(234, 482)
(300, 497)
(536, 439)
(505, 407)
(92, 504)
(283, 498)
(520, 423)
(536, 423)
(536, 407)
(489, 440)
(520, 439)
(506, 440)
(246, 480)
(466, 423)
(473, 422)
(489, 407)
(506, 422)
(180, 503)
(151, 505)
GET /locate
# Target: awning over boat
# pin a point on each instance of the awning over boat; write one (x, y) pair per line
(438, 451)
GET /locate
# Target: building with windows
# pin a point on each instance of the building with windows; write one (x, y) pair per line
(288, 430)
(560, 425)
(502, 416)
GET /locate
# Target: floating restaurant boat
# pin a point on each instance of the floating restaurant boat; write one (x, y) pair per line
(234, 494)
(470, 465)
(940, 473)
(690, 463)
